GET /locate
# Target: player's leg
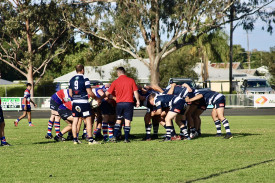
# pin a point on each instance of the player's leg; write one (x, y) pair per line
(156, 121)
(197, 120)
(30, 118)
(217, 122)
(57, 119)
(128, 116)
(168, 122)
(2, 130)
(191, 122)
(105, 119)
(220, 112)
(22, 116)
(148, 125)
(50, 125)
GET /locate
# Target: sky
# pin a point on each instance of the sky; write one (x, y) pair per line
(258, 39)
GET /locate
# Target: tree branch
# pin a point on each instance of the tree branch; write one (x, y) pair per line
(13, 66)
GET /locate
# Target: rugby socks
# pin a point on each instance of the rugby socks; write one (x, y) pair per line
(148, 131)
(98, 131)
(218, 127)
(156, 128)
(18, 120)
(105, 130)
(116, 130)
(127, 132)
(70, 133)
(50, 126)
(111, 129)
(57, 127)
(183, 130)
(226, 126)
(168, 132)
(3, 140)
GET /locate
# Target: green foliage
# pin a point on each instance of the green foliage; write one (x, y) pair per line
(131, 72)
(239, 54)
(248, 157)
(12, 90)
(178, 64)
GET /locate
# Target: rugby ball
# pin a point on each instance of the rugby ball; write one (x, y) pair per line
(93, 103)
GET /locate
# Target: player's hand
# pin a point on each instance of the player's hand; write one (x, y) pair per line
(99, 101)
(187, 99)
(35, 105)
(25, 107)
(138, 104)
(173, 84)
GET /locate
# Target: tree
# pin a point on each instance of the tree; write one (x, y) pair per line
(131, 72)
(31, 35)
(178, 64)
(125, 22)
(213, 47)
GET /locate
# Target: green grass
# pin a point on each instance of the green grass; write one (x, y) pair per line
(248, 157)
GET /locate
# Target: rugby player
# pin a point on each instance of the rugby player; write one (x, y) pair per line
(79, 90)
(26, 106)
(57, 99)
(2, 128)
(218, 101)
(176, 106)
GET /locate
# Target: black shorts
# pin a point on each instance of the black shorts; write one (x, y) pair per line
(125, 110)
(178, 106)
(81, 109)
(202, 104)
(107, 108)
(219, 103)
(1, 115)
(53, 105)
(64, 113)
(28, 108)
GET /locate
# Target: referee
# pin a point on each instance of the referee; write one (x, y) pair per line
(124, 89)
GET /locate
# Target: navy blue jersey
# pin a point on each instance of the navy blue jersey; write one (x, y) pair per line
(209, 96)
(78, 84)
(179, 91)
(163, 101)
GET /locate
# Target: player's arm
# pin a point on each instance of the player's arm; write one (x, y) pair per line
(157, 112)
(157, 88)
(33, 103)
(137, 98)
(171, 90)
(197, 97)
(71, 93)
(25, 102)
(189, 89)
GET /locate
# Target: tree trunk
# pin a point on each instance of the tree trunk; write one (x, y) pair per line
(30, 66)
(154, 63)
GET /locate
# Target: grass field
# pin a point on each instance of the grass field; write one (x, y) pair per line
(248, 157)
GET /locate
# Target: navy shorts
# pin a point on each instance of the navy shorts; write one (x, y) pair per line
(81, 109)
(64, 113)
(202, 104)
(106, 108)
(219, 103)
(1, 115)
(54, 105)
(178, 106)
(28, 108)
(125, 110)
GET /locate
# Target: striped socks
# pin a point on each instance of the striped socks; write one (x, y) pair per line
(218, 127)
(57, 127)
(111, 129)
(50, 126)
(105, 130)
(226, 126)
(148, 131)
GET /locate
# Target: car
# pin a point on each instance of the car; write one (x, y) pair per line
(96, 83)
(180, 81)
(256, 86)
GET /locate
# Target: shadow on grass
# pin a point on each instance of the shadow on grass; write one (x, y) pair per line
(229, 171)
(238, 135)
(45, 142)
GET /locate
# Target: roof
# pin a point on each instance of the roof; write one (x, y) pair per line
(5, 82)
(222, 74)
(102, 73)
(235, 65)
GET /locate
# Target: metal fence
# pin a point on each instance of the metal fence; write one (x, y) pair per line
(232, 101)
